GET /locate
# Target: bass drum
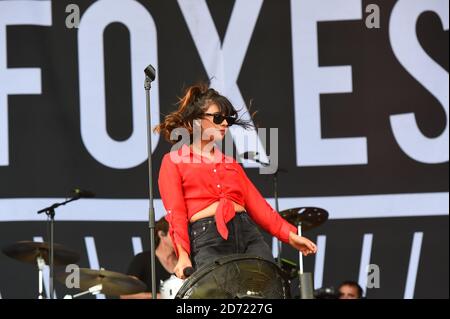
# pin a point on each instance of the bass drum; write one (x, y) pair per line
(237, 277)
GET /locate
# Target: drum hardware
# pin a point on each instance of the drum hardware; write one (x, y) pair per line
(39, 254)
(93, 291)
(289, 268)
(170, 287)
(40, 264)
(29, 251)
(305, 218)
(237, 276)
(113, 283)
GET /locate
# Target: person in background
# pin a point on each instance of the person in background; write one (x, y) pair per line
(350, 290)
(140, 266)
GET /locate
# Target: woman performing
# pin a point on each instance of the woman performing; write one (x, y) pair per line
(212, 207)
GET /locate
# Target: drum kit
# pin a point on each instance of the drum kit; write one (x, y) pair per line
(39, 254)
(91, 281)
(236, 276)
(112, 283)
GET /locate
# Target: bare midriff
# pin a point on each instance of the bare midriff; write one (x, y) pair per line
(211, 211)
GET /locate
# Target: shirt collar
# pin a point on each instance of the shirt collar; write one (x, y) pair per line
(186, 151)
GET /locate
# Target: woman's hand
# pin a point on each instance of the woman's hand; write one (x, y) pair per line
(183, 262)
(304, 245)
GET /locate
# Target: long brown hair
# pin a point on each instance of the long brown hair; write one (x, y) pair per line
(192, 106)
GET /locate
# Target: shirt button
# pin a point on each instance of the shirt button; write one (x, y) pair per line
(218, 185)
(214, 170)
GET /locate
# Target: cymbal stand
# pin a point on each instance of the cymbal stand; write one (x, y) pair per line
(304, 279)
(40, 264)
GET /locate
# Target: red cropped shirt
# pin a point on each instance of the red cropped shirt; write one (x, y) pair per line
(189, 183)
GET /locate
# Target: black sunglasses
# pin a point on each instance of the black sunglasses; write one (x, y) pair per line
(218, 118)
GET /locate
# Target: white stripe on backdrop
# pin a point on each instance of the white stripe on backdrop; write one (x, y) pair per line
(339, 207)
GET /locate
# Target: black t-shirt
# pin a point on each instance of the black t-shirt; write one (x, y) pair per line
(140, 268)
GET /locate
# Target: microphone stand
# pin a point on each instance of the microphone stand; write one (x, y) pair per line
(275, 195)
(150, 74)
(50, 212)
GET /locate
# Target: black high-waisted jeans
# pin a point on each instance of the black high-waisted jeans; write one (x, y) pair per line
(243, 238)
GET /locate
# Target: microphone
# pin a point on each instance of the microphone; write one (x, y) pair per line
(82, 193)
(78, 193)
(188, 271)
(150, 72)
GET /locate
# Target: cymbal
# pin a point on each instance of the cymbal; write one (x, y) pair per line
(28, 251)
(309, 217)
(114, 283)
